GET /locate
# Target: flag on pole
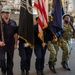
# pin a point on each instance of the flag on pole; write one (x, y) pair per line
(57, 17)
(41, 6)
(56, 27)
(26, 22)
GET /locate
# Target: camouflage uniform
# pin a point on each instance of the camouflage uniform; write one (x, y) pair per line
(53, 48)
(66, 42)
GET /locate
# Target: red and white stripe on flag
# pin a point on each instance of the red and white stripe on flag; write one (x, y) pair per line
(41, 6)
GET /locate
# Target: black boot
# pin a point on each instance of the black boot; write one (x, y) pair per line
(65, 66)
(27, 72)
(38, 72)
(22, 72)
(42, 73)
(54, 71)
(68, 67)
(52, 67)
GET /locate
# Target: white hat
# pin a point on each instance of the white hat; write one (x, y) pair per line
(6, 8)
(66, 14)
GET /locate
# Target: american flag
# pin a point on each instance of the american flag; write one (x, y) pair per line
(41, 6)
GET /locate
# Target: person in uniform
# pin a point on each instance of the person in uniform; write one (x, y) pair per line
(25, 53)
(8, 41)
(39, 50)
(53, 47)
(65, 41)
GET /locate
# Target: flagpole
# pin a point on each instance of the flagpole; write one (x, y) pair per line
(46, 5)
(2, 32)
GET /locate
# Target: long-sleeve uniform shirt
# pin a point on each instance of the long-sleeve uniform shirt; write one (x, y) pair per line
(67, 32)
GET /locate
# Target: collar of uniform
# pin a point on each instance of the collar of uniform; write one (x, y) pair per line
(3, 22)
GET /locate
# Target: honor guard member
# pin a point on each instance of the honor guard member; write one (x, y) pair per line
(65, 41)
(25, 53)
(8, 41)
(39, 50)
(52, 45)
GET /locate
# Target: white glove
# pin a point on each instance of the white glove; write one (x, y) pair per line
(26, 44)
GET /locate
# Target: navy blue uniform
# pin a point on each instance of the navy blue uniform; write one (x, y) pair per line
(9, 30)
(25, 54)
(38, 50)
